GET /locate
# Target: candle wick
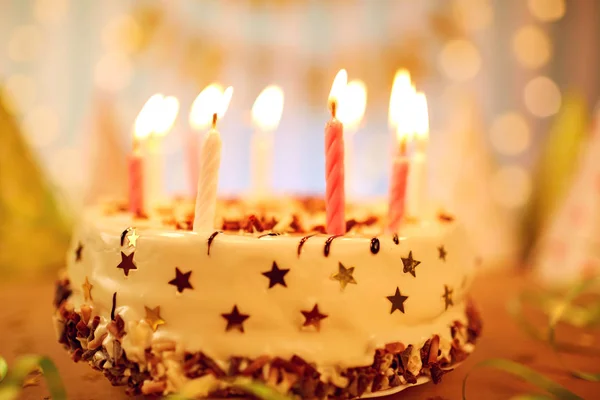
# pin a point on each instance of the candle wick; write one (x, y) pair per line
(333, 108)
(214, 120)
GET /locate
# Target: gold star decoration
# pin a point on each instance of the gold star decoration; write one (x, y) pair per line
(87, 290)
(153, 317)
(235, 320)
(442, 253)
(410, 264)
(344, 276)
(313, 317)
(127, 263)
(447, 296)
(132, 238)
(397, 301)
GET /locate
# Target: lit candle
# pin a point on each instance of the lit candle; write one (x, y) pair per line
(400, 116)
(266, 114)
(210, 161)
(351, 110)
(418, 201)
(200, 118)
(152, 124)
(334, 162)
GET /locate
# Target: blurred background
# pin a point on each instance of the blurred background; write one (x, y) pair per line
(511, 86)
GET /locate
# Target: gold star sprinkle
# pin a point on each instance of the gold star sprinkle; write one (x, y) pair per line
(344, 276)
(132, 238)
(153, 317)
(442, 253)
(447, 296)
(87, 290)
(410, 264)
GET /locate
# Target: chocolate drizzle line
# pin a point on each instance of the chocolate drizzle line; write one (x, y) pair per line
(302, 241)
(375, 245)
(327, 247)
(210, 240)
(114, 306)
(124, 234)
(395, 238)
(269, 234)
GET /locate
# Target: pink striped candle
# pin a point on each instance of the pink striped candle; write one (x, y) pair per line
(136, 181)
(334, 175)
(398, 188)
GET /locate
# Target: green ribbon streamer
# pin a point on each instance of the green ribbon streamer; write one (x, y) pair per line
(25, 365)
(527, 374)
(259, 390)
(557, 315)
(3, 368)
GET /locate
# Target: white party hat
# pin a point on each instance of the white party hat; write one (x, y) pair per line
(569, 249)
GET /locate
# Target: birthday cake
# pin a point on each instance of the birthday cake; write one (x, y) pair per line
(267, 297)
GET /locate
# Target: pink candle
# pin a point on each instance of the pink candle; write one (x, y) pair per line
(398, 188)
(136, 181)
(334, 175)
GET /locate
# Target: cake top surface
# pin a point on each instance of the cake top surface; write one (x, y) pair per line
(290, 216)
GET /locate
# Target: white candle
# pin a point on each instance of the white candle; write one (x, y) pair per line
(418, 199)
(208, 177)
(266, 114)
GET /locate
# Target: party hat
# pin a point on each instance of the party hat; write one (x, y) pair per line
(464, 171)
(106, 154)
(569, 248)
(34, 234)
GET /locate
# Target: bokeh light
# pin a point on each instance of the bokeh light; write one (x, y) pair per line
(547, 10)
(532, 46)
(22, 90)
(50, 11)
(473, 15)
(460, 60)
(113, 72)
(42, 126)
(25, 43)
(122, 33)
(511, 186)
(542, 97)
(510, 134)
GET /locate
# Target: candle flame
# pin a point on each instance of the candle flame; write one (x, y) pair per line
(268, 107)
(224, 103)
(338, 87)
(156, 116)
(421, 116)
(210, 101)
(351, 108)
(203, 106)
(166, 115)
(401, 86)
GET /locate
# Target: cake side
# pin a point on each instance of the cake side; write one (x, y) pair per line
(369, 290)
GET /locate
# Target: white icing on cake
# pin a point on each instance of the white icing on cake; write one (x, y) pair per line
(359, 319)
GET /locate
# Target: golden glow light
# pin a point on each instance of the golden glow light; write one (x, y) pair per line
(532, 46)
(352, 107)
(339, 86)
(542, 97)
(510, 134)
(402, 109)
(547, 10)
(268, 107)
(460, 60)
(166, 115)
(224, 103)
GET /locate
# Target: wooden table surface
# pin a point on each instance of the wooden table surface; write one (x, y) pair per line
(25, 327)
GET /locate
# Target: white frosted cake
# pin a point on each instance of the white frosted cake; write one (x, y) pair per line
(270, 297)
